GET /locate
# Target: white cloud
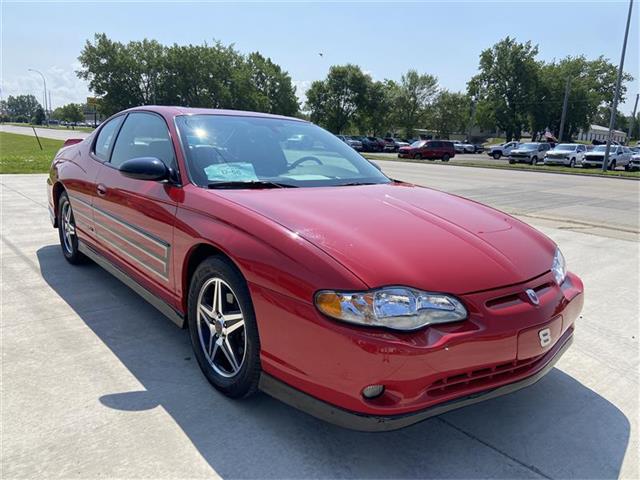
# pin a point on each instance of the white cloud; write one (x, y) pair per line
(64, 85)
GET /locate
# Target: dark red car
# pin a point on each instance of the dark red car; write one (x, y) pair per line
(429, 150)
(302, 270)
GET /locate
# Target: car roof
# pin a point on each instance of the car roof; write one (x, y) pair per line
(174, 111)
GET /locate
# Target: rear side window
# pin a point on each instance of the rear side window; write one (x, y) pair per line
(104, 141)
(143, 135)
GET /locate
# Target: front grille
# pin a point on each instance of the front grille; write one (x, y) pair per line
(515, 298)
(483, 377)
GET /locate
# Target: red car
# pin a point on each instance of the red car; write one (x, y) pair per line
(306, 272)
(429, 150)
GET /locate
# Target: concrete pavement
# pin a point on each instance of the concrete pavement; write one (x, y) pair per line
(95, 382)
(56, 134)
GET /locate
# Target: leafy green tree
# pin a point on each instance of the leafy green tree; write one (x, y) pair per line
(71, 113)
(22, 107)
(590, 91)
(449, 113)
(376, 116)
(337, 101)
(214, 76)
(414, 95)
(506, 86)
(39, 117)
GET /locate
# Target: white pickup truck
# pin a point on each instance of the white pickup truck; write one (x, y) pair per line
(504, 149)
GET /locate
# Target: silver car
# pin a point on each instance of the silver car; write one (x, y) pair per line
(619, 156)
(530, 153)
(568, 154)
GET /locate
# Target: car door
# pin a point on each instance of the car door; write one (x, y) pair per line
(580, 153)
(134, 218)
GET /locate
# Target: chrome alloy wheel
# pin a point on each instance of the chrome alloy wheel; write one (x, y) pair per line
(221, 327)
(68, 227)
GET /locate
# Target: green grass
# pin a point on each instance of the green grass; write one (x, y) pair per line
(21, 153)
(507, 166)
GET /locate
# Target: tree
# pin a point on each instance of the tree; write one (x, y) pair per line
(71, 113)
(214, 76)
(506, 86)
(449, 113)
(22, 107)
(415, 93)
(591, 83)
(39, 117)
(336, 101)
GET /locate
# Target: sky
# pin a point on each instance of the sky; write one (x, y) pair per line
(384, 38)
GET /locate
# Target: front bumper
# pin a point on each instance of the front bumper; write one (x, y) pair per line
(520, 159)
(375, 423)
(497, 345)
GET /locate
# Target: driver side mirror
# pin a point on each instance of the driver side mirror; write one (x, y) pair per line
(145, 168)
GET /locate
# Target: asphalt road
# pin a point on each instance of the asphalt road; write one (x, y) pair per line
(95, 383)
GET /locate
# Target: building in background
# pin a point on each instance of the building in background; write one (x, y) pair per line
(599, 134)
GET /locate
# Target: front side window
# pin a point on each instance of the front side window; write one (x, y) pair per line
(143, 135)
(245, 149)
(104, 141)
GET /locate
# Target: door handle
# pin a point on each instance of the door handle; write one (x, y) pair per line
(101, 190)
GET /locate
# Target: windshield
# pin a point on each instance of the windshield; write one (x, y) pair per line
(418, 143)
(602, 148)
(528, 146)
(567, 147)
(223, 148)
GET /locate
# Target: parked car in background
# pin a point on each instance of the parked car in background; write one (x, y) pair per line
(393, 144)
(504, 149)
(634, 163)
(428, 150)
(368, 144)
(619, 156)
(355, 144)
(569, 154)
(463, 147)
(531, 153)
(379, 141)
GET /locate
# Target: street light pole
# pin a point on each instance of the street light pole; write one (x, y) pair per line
(44, 81)
(614, 106)
(564, 108)
(633, 119)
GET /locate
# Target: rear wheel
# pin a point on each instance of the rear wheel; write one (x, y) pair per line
(445, 157)
(223, 328)
(67, 231)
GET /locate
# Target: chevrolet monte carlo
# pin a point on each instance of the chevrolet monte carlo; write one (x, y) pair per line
(301, 270)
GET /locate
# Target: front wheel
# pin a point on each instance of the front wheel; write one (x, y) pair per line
(67, 231)
(417, 156)
(223, 328)
(496, 155)
(572, 163)
(612, 165)
(534, 161)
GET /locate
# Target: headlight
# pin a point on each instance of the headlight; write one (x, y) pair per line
(559, 267)
(399, 308)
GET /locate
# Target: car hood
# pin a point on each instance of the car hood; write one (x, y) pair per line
(520, 151)
(401, 234)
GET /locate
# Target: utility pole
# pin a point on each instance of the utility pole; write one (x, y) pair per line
(44, 81)
(50, 108)
(614, 106)
(564, 108)
(633, 118)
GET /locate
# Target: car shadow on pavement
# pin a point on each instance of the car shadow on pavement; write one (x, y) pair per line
(555, 428)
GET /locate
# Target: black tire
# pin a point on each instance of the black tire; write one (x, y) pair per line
(512, 162)
(496, 155)
(572, 163)
(69, 244)
(534, 160)
(612, 165)
(627, 168)
(417, 156)
(245, 382)
(445, 157)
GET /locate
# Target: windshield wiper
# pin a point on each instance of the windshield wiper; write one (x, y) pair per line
(353, 184)
(249, 184)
